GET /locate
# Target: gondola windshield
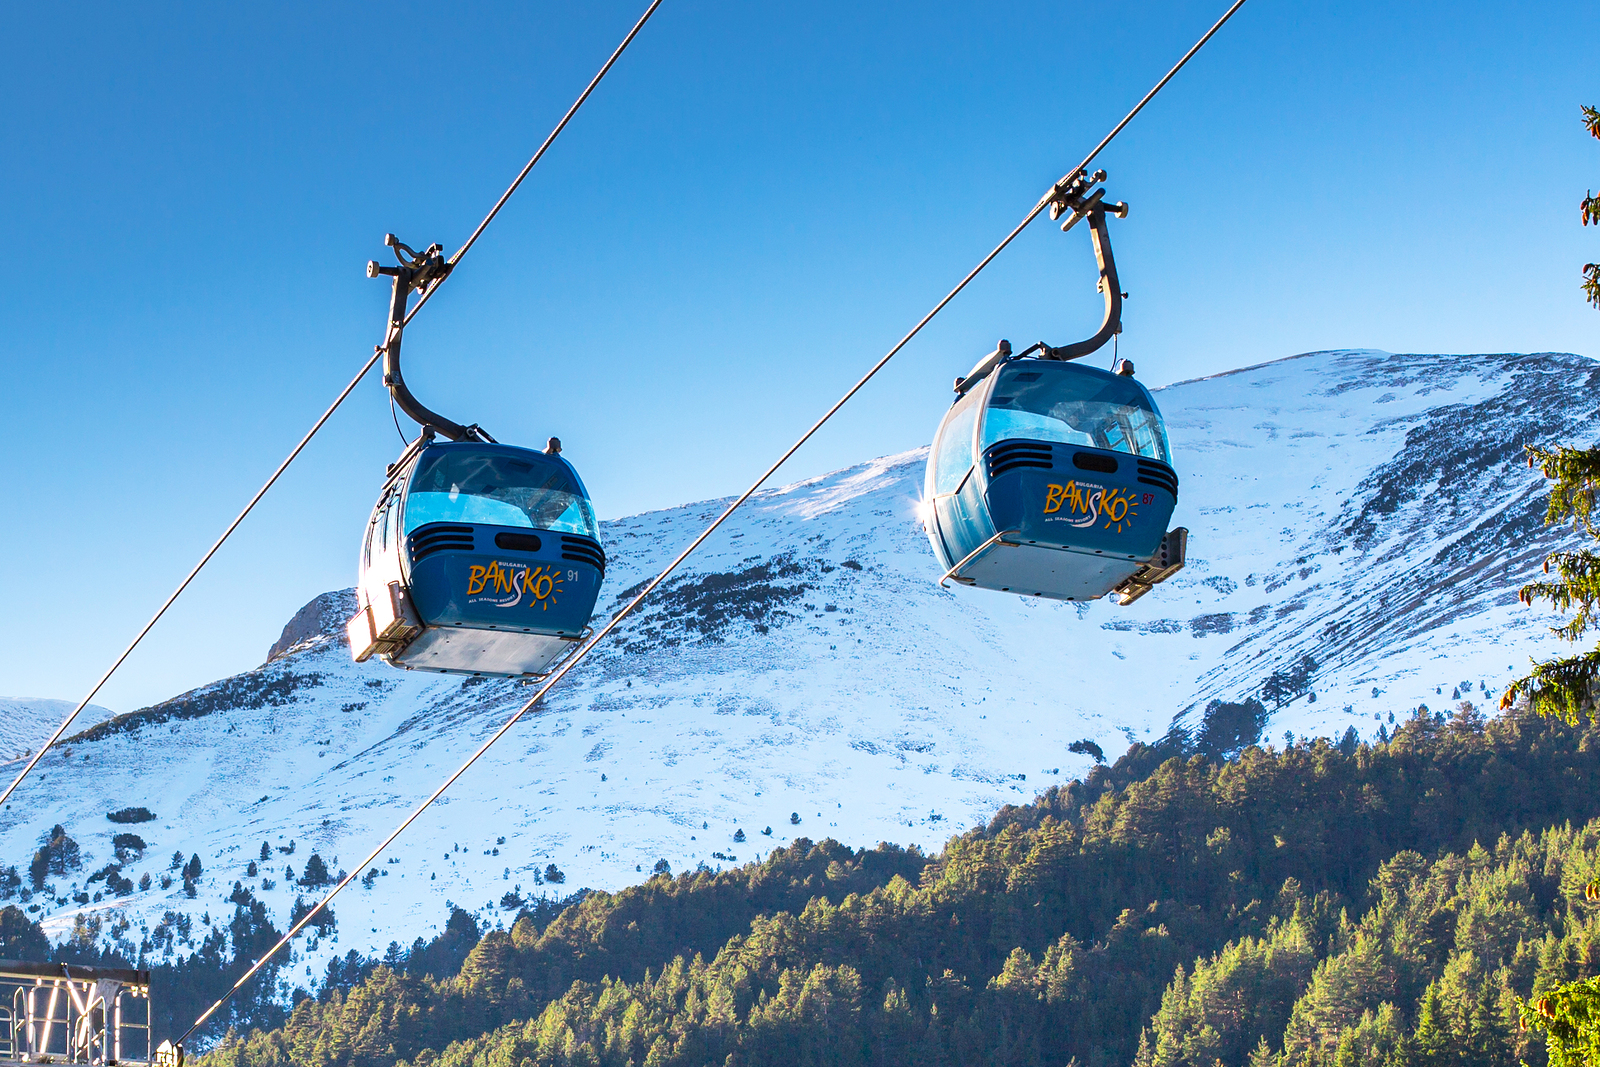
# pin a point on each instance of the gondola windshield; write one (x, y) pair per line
(1039, 401)
(460, 485)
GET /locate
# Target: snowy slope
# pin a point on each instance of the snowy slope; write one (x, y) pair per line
(26, 721)
(1363, 512)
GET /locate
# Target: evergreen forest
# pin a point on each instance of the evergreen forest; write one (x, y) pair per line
(1386, 903)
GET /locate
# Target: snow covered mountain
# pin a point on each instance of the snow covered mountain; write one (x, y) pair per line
(26, 721)
(1360, 522)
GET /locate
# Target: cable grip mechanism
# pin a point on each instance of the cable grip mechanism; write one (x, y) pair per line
(1077, 197)
(420, 269)
(1072, 195)
(419, 272)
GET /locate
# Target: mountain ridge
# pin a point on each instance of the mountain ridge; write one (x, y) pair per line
(807, 666)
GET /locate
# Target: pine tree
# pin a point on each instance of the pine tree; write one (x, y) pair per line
(57, 854)
(1144, 1057)
(1570, 1022)
(1567, 687)
(21, 939)
(316, 872)
(39, 869)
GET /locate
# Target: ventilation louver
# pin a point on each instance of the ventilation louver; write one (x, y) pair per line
(1016, 455)
(1154, 472)
(440, 537)
(583, 550)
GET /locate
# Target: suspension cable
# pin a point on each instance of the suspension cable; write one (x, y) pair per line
(548, 141)
(1179, 65)
(234, 525)
(628, 609)
(362, 373)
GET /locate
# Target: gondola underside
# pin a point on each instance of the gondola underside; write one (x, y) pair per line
(1008, 565)
(463, 650)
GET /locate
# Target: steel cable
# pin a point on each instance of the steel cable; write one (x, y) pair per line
(566, 118)
(232, 526)
(548, 141)
(578, 657)
(1179, 65)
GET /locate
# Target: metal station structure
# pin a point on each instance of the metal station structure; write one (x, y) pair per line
(64, 1013)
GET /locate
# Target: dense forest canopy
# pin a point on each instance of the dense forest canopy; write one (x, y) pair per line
(1165, 910)
(1388, 902)
(1324, 903)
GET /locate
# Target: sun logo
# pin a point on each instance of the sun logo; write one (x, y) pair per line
(1119, 510)
(543, 585)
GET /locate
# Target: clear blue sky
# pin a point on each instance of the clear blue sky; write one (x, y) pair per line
(755, 205)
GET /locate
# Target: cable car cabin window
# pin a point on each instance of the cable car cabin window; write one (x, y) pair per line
(953, 457)
(459, 485)
(377, 529)
(1040, 402)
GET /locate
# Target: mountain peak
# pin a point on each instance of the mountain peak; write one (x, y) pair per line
(322, 616)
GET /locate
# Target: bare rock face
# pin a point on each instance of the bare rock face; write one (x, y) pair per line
(324, 616)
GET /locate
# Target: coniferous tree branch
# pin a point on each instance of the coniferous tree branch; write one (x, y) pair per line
(1567, 688)
(1569, 1017)
(1564, 688)
(1578, 588)
(1576, 472)
(1591, 213)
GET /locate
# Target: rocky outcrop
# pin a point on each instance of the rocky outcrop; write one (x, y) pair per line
(324, 616)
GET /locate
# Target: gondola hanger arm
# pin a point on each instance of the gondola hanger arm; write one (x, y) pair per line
(1078, 196)
(1078, 199)
(415, 272)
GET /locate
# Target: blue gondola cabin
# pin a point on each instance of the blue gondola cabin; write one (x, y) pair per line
(478, 559)
(1053, 479)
